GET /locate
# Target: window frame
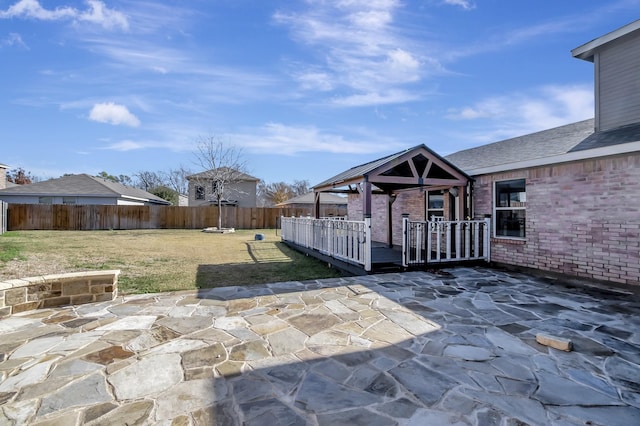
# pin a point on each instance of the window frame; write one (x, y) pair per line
(431, 210)
(199, 192)
(520, 208)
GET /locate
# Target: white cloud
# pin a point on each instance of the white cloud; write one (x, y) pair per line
(95, 13)
(112, 113)
(465, 4)
(13, 39)
(376, 98)
(521, 113)
(290, 140)
(359, 48)
(126, 145)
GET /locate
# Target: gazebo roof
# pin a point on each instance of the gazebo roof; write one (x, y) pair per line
(414, 167)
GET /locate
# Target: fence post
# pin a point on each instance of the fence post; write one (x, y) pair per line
(4, 207)
(487, 238)
(367, 243)
(405, 239)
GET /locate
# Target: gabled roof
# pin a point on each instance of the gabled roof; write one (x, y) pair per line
(575, 141)
(82, 185)
(207, 175)
(587, 50)
(414, 167)
(309, 198)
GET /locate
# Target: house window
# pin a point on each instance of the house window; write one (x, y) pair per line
(68, 200)
(199, 192)
(435, 205)
(45, 200)
(510, 208)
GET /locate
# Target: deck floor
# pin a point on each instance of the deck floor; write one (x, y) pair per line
(382, 254)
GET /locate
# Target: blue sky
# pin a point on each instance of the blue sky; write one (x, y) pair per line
(307, 89)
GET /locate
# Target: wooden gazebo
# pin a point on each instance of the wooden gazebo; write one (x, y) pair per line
(414, 168)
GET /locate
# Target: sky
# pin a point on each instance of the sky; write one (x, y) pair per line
(305, 89)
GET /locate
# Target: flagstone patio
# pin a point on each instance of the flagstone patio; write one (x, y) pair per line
(409, 349)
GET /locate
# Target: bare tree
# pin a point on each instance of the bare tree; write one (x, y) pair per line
(278, 192)
(223, 165)
(176, 179)
(149, 180)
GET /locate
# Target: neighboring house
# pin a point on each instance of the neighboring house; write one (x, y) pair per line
(3, 176)
(79, 189)
(330, 204)
(241, 193)
(564, 200)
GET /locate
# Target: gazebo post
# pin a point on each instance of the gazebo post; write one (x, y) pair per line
(366, 208)
(390, 200)
(316, 204)
(462, 205)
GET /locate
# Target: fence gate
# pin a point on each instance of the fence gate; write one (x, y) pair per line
(445, 241)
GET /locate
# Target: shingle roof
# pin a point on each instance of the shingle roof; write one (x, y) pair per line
(309, 198)
(365, 169)
(621, 135)
(206, 174)
(546, 143)
(82, 185)
(362, 169)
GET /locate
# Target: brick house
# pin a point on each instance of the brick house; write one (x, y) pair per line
(564, 200)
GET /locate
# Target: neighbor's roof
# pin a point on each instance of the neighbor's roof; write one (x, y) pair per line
(3, 166)
(309, 198)
(587, 50)
(571, 142)
(82, 185)
(205, 175)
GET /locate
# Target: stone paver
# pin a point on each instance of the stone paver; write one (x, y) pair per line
(416, 348)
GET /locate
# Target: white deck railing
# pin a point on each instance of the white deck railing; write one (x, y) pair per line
(445, 241)
(346, 240)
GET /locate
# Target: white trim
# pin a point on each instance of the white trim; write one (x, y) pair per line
(562, 158)
(586, 50)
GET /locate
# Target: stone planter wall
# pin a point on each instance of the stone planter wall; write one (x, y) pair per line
(50, 291)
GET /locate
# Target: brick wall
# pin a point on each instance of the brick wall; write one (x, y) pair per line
(411, 202)
(582, 219)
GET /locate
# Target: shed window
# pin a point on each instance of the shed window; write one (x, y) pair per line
(509, 210)
(199, 192)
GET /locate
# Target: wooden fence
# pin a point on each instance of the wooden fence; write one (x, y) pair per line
(23, 217)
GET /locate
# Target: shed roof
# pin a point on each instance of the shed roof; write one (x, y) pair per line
(414, 167)
(309, 198)
(82, 185)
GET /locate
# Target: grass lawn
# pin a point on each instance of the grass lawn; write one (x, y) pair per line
(159, 260)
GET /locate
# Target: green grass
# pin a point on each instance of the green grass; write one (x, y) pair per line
(160, 260)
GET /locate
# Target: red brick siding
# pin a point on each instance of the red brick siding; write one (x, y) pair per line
(411, 202)
(583, 218)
